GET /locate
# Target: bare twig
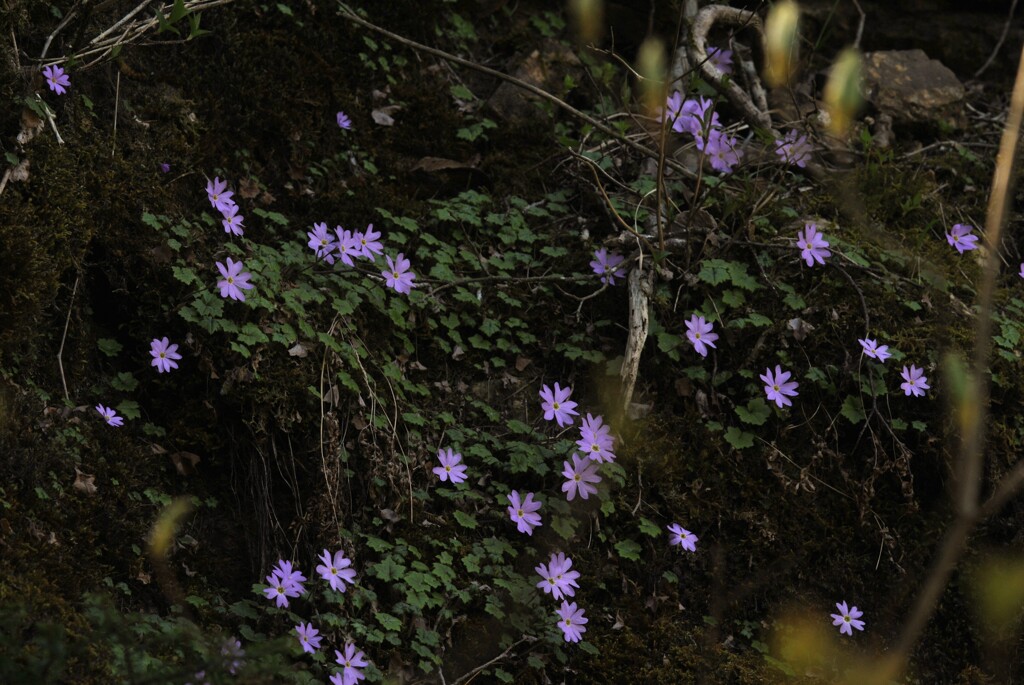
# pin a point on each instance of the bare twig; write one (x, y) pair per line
(348, 14)
(60, 27)
(860, 24)
(63, 338)
(999, 43)
(117, 101)
(465, 678)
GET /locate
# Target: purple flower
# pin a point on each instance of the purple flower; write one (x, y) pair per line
(874, 350)
(322, 242)
(343, 121)
(699, 334)
(721, 151)
(674, 108)
(812, 244)
(284, 583)
(200, 678)
(218, 194)
(556, 405)
(110, 416)
(1021, 274)
(596, 440)
(232, 220)
(164, 355)
(56, 79)
(694, 118)
(524, 511)
(233, 654)
(290, 575)
(235, 280)
(557, 580)
(605, 265)
(398, 275)
(961, 238)
(451, 467)
(580, 476)
(777, 388)
(165, 167)
(348, 247)
(682, 537)
(721, 59)
(846, 619)
(353, 661)
(571, 621)
(309, 637)
(369, 243)
(915, 382)
(794, 149)
(335, 570)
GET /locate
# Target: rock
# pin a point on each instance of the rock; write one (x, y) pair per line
(913, 89)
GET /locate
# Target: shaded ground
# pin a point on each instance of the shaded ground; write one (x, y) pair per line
(843, 497)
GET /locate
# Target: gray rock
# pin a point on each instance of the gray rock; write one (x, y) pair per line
(913, 89)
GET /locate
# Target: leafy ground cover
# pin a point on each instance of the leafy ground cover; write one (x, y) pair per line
(305, 416)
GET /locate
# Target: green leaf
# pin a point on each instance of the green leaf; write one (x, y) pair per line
(648, 527)
(565, 526)
(755, 413)
(465, 520)
(177, 11)
(386, 569)
(734, 298)
(461, 92)
(627, 549)
(852, 409)
(124, 381)
(109, 347)
(739, 439)
(129, 409)
(390, 623)
(714, 271)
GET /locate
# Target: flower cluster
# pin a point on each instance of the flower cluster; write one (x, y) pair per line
(697, 117)
(596, 439)
(346, 247)
(794, 149)
(223, 201)
(286, 582)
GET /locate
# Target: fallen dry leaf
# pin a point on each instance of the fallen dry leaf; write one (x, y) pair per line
(84, 482)
(185, 462)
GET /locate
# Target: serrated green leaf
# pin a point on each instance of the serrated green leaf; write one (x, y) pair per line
(852, 409)
(388, 622)
(755, 413)
(109, 347)
(739, 439)
(465, 520)
(648, 527)
(628, 549)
